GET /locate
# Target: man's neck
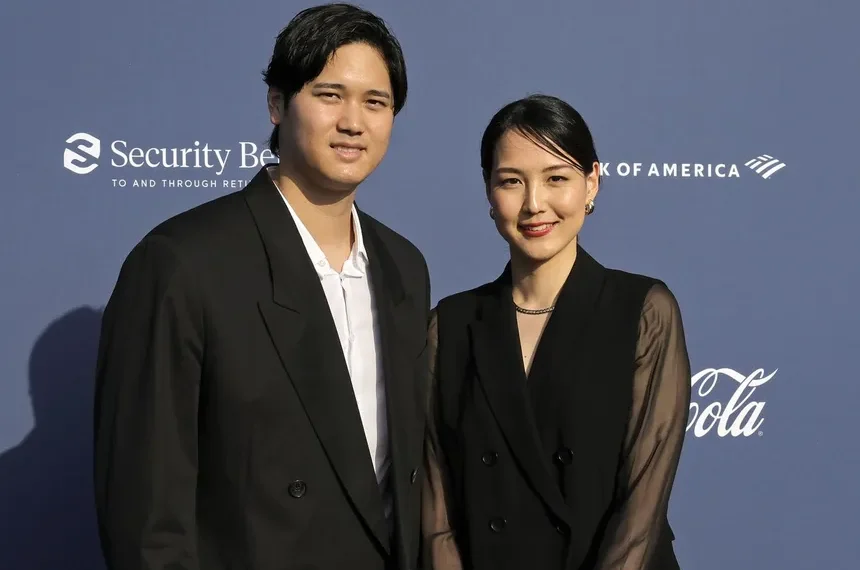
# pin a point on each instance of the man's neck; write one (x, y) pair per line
(327, 215)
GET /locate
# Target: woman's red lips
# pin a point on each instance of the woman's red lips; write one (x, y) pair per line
(537, 229)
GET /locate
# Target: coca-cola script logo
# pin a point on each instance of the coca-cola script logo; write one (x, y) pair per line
(740, 416)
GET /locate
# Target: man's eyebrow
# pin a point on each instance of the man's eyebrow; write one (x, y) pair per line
(337, 86)
(341, 87)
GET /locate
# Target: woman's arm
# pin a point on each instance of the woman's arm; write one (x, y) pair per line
(661, 401)
(439, 546)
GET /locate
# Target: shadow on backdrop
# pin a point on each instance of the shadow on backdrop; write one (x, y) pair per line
(47, 515)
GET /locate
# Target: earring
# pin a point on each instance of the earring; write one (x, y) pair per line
(589, 207)
(492, 213)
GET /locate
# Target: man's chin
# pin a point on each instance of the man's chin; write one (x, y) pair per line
(345, 181)
(342, 185)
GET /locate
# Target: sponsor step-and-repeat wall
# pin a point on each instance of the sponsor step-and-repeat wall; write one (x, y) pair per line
(727, 132)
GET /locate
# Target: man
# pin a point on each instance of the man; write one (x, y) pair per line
(258, 395)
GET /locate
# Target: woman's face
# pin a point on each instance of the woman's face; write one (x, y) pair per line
(538, 199)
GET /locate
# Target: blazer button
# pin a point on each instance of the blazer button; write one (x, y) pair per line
(498, 524)
(490, 458)
(414, 475)
(560, 530)
(564, 456)
(298, 488)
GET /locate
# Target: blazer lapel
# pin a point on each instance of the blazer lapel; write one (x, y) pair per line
(404, 417)
(495, 341)
(558, 376)
(299, 322)
(565, 333)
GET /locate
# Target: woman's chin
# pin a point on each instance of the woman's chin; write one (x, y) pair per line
(533, 251)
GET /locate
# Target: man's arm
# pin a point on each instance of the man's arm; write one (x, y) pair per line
(147, 386)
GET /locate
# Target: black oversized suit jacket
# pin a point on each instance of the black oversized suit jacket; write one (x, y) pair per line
(227, 434)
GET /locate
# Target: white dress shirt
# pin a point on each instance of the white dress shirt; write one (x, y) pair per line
(353, 309)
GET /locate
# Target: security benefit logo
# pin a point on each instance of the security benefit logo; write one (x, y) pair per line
(726, 403)
(763, 166)
(81, 157)
(197, 165)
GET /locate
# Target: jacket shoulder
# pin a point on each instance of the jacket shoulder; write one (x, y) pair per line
(209, 233)
(399, 245)
(619, 285)
(630, 282)
(464, 304)
(206, 219)
(406, 256)
(640, 293)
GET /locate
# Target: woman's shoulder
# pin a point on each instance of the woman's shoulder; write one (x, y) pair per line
(649, 296)
(656, 301)
(628, 280)
(464, 303)
(648, 286)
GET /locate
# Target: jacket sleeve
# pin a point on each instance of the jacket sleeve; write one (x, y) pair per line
(440, 547)
(661, 400)
(147, 387)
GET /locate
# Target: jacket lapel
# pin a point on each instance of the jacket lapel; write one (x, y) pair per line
(405, 422)
(299, 322)
(495, 341)
(565, 334)
(559, 376)
(497, 356)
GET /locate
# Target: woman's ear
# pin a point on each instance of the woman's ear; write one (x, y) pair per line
(592, 182)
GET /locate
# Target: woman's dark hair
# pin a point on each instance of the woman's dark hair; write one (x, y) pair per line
(546, 120)
(305, 46)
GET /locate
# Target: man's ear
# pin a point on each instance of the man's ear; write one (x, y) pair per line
(275, 100)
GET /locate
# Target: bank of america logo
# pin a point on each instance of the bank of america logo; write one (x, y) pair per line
(765, 165)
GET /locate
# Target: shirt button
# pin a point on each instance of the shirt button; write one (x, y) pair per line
(498, 524)
(321, 263)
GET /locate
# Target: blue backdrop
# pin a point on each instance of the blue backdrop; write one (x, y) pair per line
(729, 132)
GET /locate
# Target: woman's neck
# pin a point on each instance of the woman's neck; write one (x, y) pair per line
(537, 285)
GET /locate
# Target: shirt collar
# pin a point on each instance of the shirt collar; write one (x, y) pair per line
(359, 250)
(356, 263)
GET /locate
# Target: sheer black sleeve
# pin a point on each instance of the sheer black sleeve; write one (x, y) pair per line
(440, 548)
(661, 399)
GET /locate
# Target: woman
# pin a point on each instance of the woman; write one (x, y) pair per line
(561, 389)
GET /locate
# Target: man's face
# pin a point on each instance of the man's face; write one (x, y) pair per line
(335, 131)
